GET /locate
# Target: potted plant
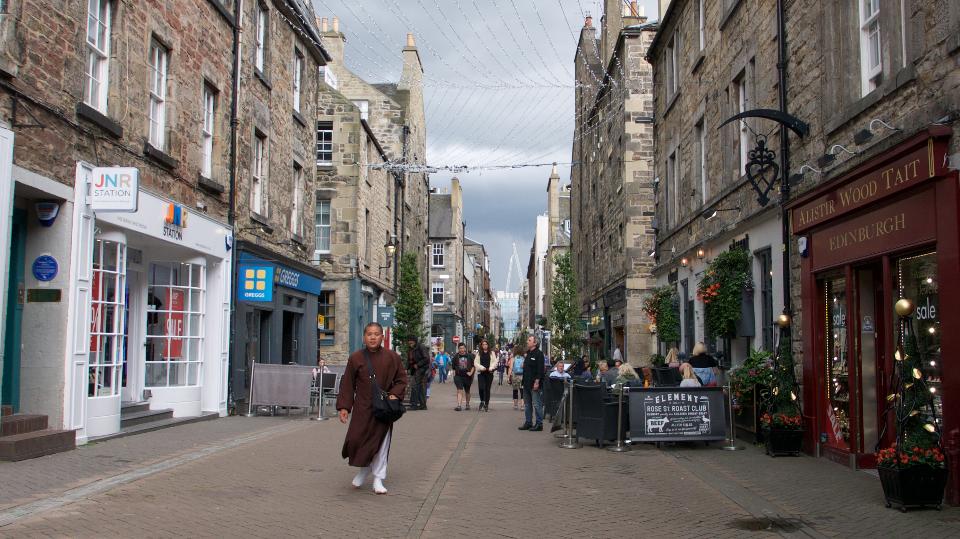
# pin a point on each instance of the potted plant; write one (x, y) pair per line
(912, 470)
(657, 360)
(750, 386)
(782, 424)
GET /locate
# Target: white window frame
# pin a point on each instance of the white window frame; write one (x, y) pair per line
(322, 223)
(871, 45)
(437, 253)
(296, 221)
(437, 288)
(207, 130)
(297, 76)
(108, 319)
(258, 197)
(324, 143)
(159, 61)
(97, 73)
(701, 23)
(743, 130)
(260, 36)
(187, 370)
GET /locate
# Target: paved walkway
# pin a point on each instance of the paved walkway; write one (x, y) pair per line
(452, 474)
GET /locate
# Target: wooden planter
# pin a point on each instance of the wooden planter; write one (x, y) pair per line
(913, 486)
(782, 442)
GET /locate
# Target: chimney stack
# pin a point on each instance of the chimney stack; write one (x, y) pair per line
(411, 42)
(634, 11)
(336, 24)
(323, 25)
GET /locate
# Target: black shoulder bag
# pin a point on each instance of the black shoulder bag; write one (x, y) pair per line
(385, 409)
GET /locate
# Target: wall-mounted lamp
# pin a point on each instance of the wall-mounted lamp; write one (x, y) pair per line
(701, 252)
(390, 249)
(684, 261)
(828, 158)
(712, 212)
(866, 134)
(798, 177)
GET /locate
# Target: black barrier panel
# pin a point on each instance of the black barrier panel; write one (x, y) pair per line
(673, 414)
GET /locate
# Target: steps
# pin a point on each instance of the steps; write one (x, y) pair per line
(137, 418)
(26, 436)
(139, 413)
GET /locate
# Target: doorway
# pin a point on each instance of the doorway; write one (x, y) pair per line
(14, 318)
(291, 335)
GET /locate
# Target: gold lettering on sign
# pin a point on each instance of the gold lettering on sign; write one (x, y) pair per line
(869, 232)
(815, 213)
(896, 175)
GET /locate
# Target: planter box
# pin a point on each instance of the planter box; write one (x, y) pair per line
(783, 441)
(914, 486)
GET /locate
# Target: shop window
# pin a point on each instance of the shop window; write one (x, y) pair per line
(326, 318)
(838, 372)
(175, 316)
(108, 319)
(917, 280)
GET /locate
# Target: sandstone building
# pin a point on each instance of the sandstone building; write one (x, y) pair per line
(448, 290)
(611, 200)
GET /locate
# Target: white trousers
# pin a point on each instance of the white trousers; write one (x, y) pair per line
(379, 464)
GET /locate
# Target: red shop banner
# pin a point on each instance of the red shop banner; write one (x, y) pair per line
(173, 325)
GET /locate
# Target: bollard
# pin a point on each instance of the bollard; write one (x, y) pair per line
(565, 433)
(620, 447)
(250, 412)
(320, 416)
(572, 441)
(732, 439)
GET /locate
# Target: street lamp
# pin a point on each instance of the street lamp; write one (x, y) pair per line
(390, 249)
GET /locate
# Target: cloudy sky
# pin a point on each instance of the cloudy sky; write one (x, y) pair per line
(499, 92)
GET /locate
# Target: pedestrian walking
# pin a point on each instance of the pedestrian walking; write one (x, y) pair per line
(418, 367)
(501, 366)
(515, 376)
(367, 443)
(463, 370)
(533, 375)
(442, 362)
(484, 363)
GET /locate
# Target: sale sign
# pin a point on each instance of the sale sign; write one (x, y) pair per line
(173, 325)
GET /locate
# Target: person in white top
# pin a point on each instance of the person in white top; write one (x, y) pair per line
(559, 371)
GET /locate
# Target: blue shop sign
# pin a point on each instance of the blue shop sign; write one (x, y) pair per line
(256, 283)
(45, 268)
(285, 276)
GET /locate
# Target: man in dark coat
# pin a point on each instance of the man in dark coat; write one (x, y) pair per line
(367, 444)
(418, 366)
(533, 375)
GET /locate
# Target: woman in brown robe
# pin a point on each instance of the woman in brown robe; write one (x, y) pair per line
(367, 444)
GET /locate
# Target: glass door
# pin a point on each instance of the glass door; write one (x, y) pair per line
(108, 319)
(916, 279)
(837, 367)
(869, 404)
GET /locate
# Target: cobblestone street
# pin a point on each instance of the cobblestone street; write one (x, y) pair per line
(451, 474)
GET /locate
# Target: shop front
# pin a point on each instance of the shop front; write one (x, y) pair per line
(885, 231)
(276, 314)
(150, 304)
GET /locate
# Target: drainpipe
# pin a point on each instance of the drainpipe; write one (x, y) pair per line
(784, 158)
(232, 197)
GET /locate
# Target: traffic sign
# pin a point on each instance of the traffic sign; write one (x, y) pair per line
(456, 339)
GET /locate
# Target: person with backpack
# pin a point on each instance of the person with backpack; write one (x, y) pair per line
(442, 363)
(515, 376)
(463, 370)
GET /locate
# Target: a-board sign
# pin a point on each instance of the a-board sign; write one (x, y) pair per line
(674, 414)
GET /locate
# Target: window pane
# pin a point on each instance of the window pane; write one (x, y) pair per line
(917, 280)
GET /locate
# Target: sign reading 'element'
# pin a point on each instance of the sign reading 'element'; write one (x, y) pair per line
(114, 189)
(677, 414)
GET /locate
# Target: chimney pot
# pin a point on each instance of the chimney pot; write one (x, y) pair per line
(324, 25)
(589, 22)
(336, 24)
(634, 11)
(411, 42)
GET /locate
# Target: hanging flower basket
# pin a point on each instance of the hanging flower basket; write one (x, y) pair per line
(913, 486)
(721, 291)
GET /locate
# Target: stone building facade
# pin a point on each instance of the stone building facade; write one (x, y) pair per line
(275, 139)
(481, 306)
(364, 203)
(448, 292)
(711, 64)
(115, 84)
(879, 86)
(611, 202)
(558, 233)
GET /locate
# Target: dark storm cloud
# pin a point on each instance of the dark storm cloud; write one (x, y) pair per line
(498, 78)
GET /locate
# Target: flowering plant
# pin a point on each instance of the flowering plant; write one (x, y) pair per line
(915, 456)
(663, 309)
(756, 371)
(781, 421)
(721, 291)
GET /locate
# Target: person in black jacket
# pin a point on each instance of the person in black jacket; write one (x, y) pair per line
(418, 366)
(533, 375)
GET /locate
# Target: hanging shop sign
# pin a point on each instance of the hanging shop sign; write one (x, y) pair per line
(256, 283)
(677, 414)
(114, 189)
(284, 276)
(385, 316)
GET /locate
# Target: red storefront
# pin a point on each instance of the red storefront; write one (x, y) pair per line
(887, 229)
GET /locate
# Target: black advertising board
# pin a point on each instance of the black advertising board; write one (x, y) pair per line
(675, 414)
